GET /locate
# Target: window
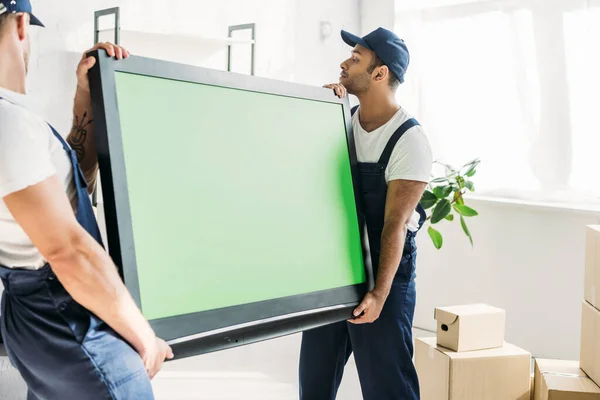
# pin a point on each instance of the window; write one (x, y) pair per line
(510, 82)
(582, 30)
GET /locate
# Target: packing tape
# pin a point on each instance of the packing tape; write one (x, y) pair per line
(562, 374)
(431, 352)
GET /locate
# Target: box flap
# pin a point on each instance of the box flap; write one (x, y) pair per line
(471, 309)
(507, 350)
(568, 368)
(565, 377)
(444, 317)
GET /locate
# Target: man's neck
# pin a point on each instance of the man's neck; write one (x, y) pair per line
(376, 109)
(12, 72)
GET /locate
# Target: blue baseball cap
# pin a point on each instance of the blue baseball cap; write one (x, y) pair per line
(387, 46)
(18, 6)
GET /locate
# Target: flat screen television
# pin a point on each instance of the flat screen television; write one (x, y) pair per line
(232, 205)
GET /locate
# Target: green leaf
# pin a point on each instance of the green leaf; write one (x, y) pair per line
(470, 167)
(439, 180)
(465, 211)
(465, 229)
(471, 170)
(450, 217)
(441, 192)
(469, 185)
(428, 200)
(470, 163)
(436, 237)
(441, 210)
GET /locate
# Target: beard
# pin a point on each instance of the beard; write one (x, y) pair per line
(358, 84)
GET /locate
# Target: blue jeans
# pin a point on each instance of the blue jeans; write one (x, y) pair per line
(61, 349)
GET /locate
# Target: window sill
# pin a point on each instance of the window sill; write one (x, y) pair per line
(538, 205)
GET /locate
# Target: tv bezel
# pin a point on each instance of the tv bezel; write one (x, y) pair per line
(212, 330)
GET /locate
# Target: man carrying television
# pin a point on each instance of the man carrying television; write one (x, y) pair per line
(395, 162)
(69, 324)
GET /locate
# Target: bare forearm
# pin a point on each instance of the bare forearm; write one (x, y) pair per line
(90, 277)
(82, 139)
(392, 246)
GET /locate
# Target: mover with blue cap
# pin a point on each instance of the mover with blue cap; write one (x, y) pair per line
(395, 162)
(69, 325)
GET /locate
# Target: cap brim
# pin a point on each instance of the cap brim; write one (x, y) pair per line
(353, 40)
(34, 21)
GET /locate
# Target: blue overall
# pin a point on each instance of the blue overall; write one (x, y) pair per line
(382, 350)
(61, 349)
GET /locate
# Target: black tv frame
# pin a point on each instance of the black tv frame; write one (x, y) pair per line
(212, 330)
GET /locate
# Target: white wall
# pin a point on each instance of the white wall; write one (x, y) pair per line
(375, 14)
(289, 43)
(528, 260)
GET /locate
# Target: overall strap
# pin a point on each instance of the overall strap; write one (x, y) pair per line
(387, 152)
(60, 139)
(80, 182)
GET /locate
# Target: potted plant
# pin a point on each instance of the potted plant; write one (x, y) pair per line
(444, 196)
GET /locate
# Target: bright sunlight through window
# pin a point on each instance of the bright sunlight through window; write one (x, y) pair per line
(513, 83)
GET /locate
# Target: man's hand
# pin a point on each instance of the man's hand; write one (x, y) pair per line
(339, 89)
(154, 357)
(371, 305)
(86, 63)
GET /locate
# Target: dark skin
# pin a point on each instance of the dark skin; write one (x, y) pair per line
(377, 106)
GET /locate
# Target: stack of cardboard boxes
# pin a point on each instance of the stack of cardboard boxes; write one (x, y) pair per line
(570, 380)
(590, 317)
(469, 359)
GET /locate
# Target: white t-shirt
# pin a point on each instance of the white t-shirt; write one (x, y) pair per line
(29, 153)
(411, 159)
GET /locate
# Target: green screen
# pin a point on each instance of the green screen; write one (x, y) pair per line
(235, 196)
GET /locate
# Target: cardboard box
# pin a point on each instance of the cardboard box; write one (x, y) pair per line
(592, 265)
(563, 380)
(470, 327)
(494, 374)
(589, 358)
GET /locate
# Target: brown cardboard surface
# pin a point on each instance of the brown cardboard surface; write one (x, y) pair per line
(592, 265)
(563, 380)
(470, 327)
(492, 374)
(589, 359)
(433, 368)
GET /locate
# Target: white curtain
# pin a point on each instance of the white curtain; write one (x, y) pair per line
(513, 82)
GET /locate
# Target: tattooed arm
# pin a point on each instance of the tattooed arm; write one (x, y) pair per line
(82, 139)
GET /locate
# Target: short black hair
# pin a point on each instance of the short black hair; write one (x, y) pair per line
(394, 81)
